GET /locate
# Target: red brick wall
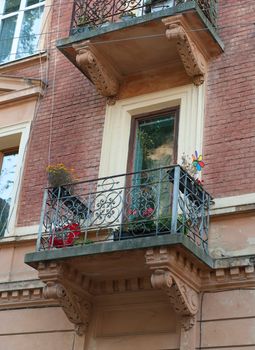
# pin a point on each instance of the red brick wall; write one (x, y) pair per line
(229, 135)
(71, 115)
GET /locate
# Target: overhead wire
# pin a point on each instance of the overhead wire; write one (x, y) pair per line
(222, 6)
(106, 42)
(53, 88)
(34, 119)
(97, 42)
(39, 34)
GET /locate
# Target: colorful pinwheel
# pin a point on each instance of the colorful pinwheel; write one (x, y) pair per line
(197, 161)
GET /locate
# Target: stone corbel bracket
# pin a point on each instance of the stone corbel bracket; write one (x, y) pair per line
(98, 70)
(183, 298)
(177, 277)
(77, 310)
(191, 56)
(69, 288)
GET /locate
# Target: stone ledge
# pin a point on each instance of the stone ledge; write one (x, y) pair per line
(112, 246)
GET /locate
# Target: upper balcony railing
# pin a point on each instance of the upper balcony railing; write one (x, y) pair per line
(156, 202)
(97, 13)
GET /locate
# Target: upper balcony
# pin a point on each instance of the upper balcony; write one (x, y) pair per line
(92, 13)
(125, 47)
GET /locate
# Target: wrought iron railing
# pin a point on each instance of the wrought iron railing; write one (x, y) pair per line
(156, 202)
(97, 13)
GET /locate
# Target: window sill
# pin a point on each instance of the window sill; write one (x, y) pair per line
(24, 62)
(11, 240)
(233, 205)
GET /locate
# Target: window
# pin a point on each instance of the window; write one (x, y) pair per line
(8, 162)
(155, 140)
(20, 24)
(119, 117)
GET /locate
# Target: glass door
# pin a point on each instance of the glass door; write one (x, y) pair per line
(155, 144)
(148, 194)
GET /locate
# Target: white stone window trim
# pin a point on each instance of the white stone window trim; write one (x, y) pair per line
(18, 28)
(115, 144)
(23, 129)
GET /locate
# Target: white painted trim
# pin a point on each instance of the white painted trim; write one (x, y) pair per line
(15, 96)
(23, 129)
(116, 133)
(45, 25)
(13, 83)
(26, 231)
(232, 204)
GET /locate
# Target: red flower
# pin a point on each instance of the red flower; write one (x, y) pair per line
(65, 236)
(148, 212)
(132, 212)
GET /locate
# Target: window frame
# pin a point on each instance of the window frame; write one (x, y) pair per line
(23, 130)
(118, 117)
(142, 117)
(3, 153)
(18, 28)
(7, 152)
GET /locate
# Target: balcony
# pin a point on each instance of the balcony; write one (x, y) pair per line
(141, 206)
(134, 47)
(123, 233)
(125, 212)
(90, 13)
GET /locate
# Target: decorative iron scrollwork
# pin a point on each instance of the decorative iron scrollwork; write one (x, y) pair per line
(96, 13)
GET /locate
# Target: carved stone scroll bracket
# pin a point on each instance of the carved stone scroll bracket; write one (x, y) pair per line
(183, 298)
(98, 70)
(191, 56)
(76, 309)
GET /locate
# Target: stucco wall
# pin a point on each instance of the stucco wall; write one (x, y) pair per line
(228, 320)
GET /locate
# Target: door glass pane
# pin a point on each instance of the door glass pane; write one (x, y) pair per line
(155, 143)
(11, 6)
(30, 32)
(7, 177)
(33, 2)
(149, 199)
(6, 37)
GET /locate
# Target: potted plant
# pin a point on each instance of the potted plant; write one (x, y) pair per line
(126, 16)
(150, 227)
(65, 235)
(61, 179)
(190, 183)
(59, 175)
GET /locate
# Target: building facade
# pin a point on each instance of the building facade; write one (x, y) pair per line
(125, 249)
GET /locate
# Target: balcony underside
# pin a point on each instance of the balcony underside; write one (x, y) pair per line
(157, 51)
(76, 275)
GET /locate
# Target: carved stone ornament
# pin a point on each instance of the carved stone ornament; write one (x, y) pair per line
(76, 309)
(98, 71)
(183, 298)
(192, 59)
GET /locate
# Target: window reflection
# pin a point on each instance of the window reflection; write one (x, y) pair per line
(155, 142)
(7, 177)
(30, 31)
